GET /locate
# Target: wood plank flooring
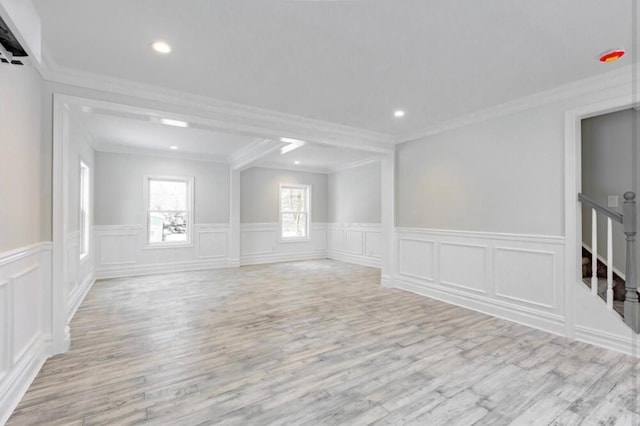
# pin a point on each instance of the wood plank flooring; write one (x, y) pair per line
(314, 343)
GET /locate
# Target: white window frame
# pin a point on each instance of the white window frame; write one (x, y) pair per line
(190, 191)
(84, 210)
(307, 188)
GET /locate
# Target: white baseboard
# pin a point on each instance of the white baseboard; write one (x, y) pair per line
(76, 298)
(121, 271)
(541, 320)
(20, 377)
(628, 345)
(358, 259)
(258, 259)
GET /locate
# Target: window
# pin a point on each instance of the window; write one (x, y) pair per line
(294, 211)
(85, 197)
(169, 210)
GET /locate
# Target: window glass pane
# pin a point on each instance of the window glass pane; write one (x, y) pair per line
(294, 199)
(84, 209)
(167, 195)
(294, 224)
(167, 227)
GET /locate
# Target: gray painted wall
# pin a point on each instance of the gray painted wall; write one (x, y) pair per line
(501, 175)
(119, 180)
(22, 179)
(606, 170)
(354, 195)
(260, 192)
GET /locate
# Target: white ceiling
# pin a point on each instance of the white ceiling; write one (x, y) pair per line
(349, 62)
(111, 131)
(316, 158)
(117, 128)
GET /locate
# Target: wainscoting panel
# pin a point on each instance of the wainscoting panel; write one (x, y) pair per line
(25, 327)
(117, 248)
(26, 322)
(373, 244)
(473, 275)
(121, 251)
(258, 240)
(517, 277)
(78, 273)
(212, 244)
(416, 258)
(260, 243)
(355, 243)
(526, 276)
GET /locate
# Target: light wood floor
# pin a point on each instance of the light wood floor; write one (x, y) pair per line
(315, 342)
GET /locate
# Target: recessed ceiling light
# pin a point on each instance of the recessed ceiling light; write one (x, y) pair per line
(161, 47)
(176, 123)
(399, 113)
(173, 147)
(296, 162)
(612, 55)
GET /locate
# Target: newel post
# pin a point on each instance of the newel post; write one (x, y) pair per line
(631, 303)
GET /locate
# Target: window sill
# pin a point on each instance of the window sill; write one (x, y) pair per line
(295, 240)
(167, 246)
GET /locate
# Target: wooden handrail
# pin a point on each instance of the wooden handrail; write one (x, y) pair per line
(614, 215)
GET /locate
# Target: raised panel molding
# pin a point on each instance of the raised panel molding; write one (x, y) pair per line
(516, 277)
(416, 258)
(353, 242)
(121, 251)
(357, 243)
(117, 248)
(259, 243)
(473, 276)
(25, 282)
(26, 322)
(212, 244)
(527, 276)
(6, 318)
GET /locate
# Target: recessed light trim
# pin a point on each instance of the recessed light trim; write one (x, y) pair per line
(161, 47)
(175, 123)
(173, 147)
(398, 113)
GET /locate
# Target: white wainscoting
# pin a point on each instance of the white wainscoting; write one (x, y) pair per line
(260, 243)
(121, 251)
(25, 320)
(355, 243)
(516, 277)
(79, 274)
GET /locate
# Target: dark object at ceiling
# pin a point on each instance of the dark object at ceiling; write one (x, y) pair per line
(9, 41)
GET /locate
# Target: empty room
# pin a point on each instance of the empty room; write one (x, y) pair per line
(319, 212)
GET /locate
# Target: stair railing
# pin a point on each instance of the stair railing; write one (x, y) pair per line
(628, 221)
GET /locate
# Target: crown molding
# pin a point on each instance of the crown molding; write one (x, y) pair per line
(292, 167)
(228, 116)
(601, 82)
(251, 154)
(354, 164)
(122, 149)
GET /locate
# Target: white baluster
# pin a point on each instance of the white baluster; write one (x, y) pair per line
(609, 264)
(594, 252)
